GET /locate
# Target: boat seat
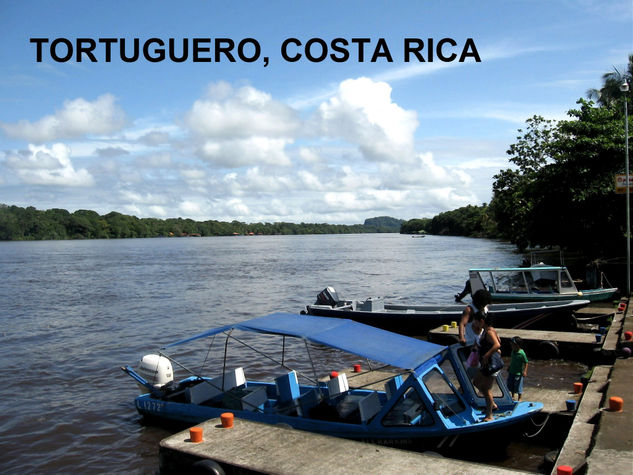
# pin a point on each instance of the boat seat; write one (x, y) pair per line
(255, 400)
(348, 404)
(287, 387)
(210, 389)
(338, 386)
(366, 406)
(307, 401)
(369, 406)
(393, 385)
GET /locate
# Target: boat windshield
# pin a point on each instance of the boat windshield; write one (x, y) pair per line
(445, 398)
(566, 283)
(510, 282)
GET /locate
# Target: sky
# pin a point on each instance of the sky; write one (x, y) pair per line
(294, 111)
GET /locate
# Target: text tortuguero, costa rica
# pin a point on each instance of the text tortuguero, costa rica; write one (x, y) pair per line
(249, 50)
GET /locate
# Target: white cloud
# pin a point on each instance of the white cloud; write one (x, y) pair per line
(309, 155)
(363, 113)
(154, 160)
(240, 154)
(310, 181)
(77, 118)
(139, 198)
(242, 127)
(448, 198)
(193, 208)
(155, 137)
(245, 151)
(158, 211)
(47, 166)
(364, 200)
(229, 113)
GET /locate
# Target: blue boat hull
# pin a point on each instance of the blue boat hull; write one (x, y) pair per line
(422, 396)
(437, 437)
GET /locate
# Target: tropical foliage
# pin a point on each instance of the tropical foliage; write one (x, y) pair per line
(469, 220)
(560, 189)
(31, 224)
(416, 226)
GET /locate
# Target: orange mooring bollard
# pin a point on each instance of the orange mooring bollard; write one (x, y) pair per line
(356, 368)
(628, 335)
(577, 388)
(616, 404)
(227, 419)
(564, 470)
(195, 434)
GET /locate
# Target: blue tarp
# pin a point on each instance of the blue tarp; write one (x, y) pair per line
(347, 335)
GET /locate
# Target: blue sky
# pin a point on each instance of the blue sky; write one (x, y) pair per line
(304, 141)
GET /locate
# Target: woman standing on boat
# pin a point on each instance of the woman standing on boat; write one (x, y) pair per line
(489, 359)
(481, 300)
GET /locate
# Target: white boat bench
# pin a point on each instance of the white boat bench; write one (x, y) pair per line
(208, 389)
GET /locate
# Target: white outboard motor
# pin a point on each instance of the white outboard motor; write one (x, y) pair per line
(156, 370)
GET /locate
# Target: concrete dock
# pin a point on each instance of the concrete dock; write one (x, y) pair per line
(250, 447)
(600, 438)
(546, 344)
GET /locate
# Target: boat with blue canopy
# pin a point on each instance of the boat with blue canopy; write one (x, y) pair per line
(409, 393)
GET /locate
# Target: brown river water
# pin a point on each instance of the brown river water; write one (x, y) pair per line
(74, 312)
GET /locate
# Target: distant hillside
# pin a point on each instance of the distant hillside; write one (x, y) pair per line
(384, 224)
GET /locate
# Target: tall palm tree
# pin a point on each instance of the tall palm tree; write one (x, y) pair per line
(610, 93)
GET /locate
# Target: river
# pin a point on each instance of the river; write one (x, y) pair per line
(74, 312)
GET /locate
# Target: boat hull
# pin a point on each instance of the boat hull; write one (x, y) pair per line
(594, 295)
(436, 438)
(417, 320)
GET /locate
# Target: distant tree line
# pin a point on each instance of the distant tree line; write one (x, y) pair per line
(18, 223)
(470, 221)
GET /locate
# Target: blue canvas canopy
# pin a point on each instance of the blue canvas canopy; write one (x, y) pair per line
(347, 335)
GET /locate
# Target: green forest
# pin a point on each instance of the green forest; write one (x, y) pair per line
(18, 223)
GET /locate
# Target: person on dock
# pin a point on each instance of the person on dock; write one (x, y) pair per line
(518, 368)
(481, 300)
(489, 359)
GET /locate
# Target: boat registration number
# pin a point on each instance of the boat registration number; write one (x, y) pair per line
(150, 406)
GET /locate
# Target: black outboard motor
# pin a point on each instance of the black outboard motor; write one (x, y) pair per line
(327, 296)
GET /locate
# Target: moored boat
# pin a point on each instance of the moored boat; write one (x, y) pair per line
(423, 396)
(535, 283)
(417, 319)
